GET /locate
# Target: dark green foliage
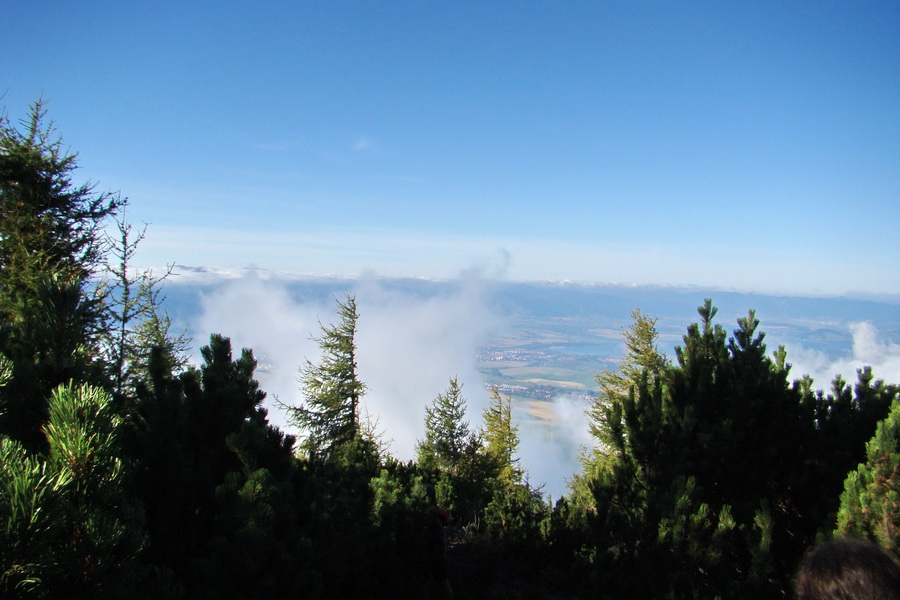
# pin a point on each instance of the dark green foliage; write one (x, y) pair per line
(123, 474)
(51, 341)
(50, 244)
(464, 472)
(400, 508)
(215, 474)
(48, 223)
(339, 500)
(715, 481)
(219, 398)
(256, 548)
(515, 515)
(846, 420)
(642, 359)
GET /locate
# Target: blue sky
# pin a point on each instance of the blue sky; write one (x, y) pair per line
(745, 145)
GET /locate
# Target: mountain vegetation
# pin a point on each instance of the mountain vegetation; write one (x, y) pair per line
(127, 472)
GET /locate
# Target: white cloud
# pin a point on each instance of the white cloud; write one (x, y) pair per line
(868, 350)
(549, 450)
(260, 314)
(408, 346)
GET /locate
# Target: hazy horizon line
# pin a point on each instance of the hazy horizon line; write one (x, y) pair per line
(182, 273)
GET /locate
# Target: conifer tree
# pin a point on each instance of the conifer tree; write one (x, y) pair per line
(870, 503)
(706, 465)
(846, 419)
(69, 526)
(47, 224)
(330, 414)
(516, 512)
(501, 439)
(51, 242)
(206, 448)
(641, 355)
(137, 323)
(447, 435)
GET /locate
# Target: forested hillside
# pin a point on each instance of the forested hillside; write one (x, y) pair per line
(129, 473)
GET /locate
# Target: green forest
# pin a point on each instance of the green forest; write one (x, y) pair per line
(129, 473)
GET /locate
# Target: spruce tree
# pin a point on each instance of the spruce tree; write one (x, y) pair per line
(47, 224)
(51, 243)
(447, 434)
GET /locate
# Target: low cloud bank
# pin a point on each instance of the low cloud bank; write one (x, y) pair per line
(261, 314)
(868, 350)
(549, 450)
(408, 345)
(408, 348)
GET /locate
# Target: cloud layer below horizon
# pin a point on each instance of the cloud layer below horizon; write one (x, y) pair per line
(409, 346)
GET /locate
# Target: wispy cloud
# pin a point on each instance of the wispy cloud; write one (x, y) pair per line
(363, 144)
(410, 347)
(273, 147)
(550, 450)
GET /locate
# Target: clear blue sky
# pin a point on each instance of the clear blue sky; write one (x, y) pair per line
(753, 145)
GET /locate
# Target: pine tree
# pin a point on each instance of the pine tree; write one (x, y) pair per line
(330, 414)
(846, 419)
(69, 526)
(206, 448)
(706, 463)
(870, 504)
